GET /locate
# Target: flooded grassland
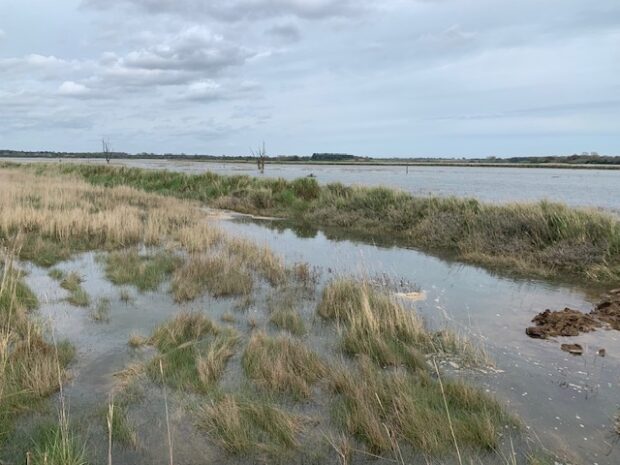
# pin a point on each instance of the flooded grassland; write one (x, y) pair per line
(136, 328)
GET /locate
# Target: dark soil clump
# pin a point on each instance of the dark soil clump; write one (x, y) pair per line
(569, 322)
(608, 310)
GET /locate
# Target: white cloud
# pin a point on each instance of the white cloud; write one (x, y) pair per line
(73, 89)
(204, 91)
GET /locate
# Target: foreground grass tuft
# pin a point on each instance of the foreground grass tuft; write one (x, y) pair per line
(193, 351)
(58, 445)
(410, 409)
(244, 427)
(31, 368)
(282, 365)
(118, 424)
(378, 326)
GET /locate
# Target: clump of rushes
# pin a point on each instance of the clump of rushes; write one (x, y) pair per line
(249, 427)
(193, 351)
(57, 445)
(306, 275)
(395, 408)
(260, 259)
(282, 365)
(72, 282)
(125, 296)
(146, 272)
(56, 274)
(377, 325)
(284, 313)
(118, 424)
(288, 318)
(136, 341)
(221, 275)
(101, 312)
(30, 367)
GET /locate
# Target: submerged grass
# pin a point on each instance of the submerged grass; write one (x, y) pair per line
(544, 238)
(282, 365)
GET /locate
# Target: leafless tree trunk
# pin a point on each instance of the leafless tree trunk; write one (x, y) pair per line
(261, 155)
(106, 150)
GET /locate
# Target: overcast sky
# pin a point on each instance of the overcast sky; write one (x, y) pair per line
(370, 77)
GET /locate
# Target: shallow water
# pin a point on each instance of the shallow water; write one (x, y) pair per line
(590, 188)
(567, 402)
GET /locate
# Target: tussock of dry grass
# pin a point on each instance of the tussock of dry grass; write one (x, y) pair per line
(221, 275)
(245, 427)
(282, 365)
(395, 408)
(193, 351)
(57, 217)
(260, 258)
(377, 325)
(283, 311)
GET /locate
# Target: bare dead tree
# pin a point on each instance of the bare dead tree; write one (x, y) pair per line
(105, 146)
(261, 156)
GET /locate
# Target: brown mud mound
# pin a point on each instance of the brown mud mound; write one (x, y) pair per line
(569, 322)
(608, 310)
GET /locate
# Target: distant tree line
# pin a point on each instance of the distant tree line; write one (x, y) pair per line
(585, 158)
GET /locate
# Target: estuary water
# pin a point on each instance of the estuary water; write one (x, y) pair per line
(576, 187)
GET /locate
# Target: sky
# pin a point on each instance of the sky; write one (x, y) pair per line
(454, 78)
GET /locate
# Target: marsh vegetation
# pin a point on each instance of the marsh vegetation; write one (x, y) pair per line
(543, 239)
(296, 367)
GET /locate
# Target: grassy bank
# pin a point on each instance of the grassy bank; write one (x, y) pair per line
(538, 239)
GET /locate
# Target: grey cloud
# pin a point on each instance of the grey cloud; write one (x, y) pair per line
(43, 66)
(579, 108)
(286, 32)
(237, 10)
(194, 49)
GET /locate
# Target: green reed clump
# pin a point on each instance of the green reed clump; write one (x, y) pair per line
(144, 271)
(193, 352)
